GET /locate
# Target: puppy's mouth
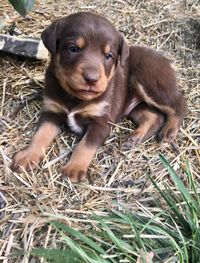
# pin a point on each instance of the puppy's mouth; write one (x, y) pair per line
(87, 90)
(83, 90)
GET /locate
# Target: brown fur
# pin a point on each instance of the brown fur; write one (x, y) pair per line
(93, 79)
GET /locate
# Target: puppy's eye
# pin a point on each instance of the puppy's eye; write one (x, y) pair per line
(73, 49)
(108, 56)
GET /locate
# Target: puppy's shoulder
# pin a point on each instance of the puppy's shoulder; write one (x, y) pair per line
(146, 58)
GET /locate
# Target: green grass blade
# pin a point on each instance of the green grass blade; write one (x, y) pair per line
(121, 244)
(195, 247)
(192, 205)
(79, 235)
(85, 255)
(56, 255)
(178, 182)
(193, 186)
(137, 240)
(172, 205)
(181, 209)
(174, 243)
(183, 241)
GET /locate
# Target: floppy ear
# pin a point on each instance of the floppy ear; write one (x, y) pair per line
(49, 37)
(124, 50)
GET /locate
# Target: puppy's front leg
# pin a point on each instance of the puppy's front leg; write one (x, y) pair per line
(48, 128)
(77, 166)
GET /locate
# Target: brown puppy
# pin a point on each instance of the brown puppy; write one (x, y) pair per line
(94, 78)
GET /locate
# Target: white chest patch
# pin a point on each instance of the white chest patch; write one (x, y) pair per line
(73, 123)
(93, 109)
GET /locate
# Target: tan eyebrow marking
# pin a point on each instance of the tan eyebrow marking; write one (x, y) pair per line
(107, 48)
(80, 42)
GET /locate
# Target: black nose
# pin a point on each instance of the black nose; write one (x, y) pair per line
(91, 76)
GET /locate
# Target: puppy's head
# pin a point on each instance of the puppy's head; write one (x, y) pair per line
(86, 49)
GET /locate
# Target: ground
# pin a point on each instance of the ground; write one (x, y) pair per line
(116, 178)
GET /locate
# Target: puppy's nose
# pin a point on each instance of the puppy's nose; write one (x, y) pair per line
(91, 77)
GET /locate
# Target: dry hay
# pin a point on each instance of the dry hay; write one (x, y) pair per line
(116, 178)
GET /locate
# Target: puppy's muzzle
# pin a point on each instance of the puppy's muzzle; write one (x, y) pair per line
(91, 75)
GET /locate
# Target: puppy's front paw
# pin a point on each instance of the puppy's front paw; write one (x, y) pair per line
(75, 171)
(25, 158)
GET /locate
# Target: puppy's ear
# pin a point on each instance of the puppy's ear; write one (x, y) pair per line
(49, 37)
(123, 50)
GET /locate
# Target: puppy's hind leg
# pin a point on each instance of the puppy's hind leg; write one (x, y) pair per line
(155, 83)
(172, 105)
(174, 120)
(160, 91)
(148, 122)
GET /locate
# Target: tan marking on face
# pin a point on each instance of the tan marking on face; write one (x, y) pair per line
(74, 83)
(80, 42)
(60, 74)
(102, 83)
(166, 109)
(53, 106)
(77, 77)
(107, 48)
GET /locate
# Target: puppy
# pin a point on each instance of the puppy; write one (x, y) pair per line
(95, 79)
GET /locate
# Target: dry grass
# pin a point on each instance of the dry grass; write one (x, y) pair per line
(116, 178)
